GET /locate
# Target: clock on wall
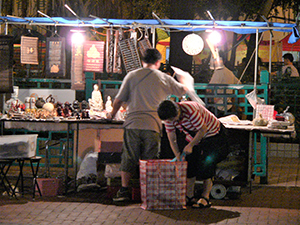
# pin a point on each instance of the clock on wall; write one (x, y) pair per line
(192, 44)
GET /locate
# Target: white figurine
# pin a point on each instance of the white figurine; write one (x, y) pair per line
(108, 104)
(95, 103)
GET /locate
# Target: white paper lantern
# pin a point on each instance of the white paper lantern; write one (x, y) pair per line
(192, 44)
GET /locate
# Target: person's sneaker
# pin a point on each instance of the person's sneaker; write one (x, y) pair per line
(122, 196)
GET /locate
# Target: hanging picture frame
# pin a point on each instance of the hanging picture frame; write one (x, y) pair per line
(109, 50)
(117, 66)
(93, 56)
(29, 50)
(77, 74)
(6, 63)
(55, 57)
(130, 54)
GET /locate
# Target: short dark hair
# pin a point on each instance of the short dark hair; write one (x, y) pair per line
(167, 109)
(152, 55)
(288, 56)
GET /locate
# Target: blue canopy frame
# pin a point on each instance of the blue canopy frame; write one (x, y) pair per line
(240, 27)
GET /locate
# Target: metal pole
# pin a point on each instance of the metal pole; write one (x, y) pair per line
(153, 36)
(256, 57)
(270, 54)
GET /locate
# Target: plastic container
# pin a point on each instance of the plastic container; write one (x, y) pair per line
(18, 146)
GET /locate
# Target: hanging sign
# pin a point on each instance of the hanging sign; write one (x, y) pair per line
(55, 57)
(130, 54)
(93, 56)
(109, 50)
(29, 50)
(77, 75)
(117, 66)
(6, 63)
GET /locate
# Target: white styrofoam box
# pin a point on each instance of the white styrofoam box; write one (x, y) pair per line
(18, 146)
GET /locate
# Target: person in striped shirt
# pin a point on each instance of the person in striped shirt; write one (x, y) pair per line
(205, 143)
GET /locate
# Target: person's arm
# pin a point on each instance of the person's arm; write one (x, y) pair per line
(116, 106)
(198, 137)
(173, 143)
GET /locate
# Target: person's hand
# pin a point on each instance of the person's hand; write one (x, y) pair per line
(108, 116)
(177, 156)
(188, 149)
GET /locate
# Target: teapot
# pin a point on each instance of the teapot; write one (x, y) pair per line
(40, 102)
(49, 105)
(50, 99)
(289, 117)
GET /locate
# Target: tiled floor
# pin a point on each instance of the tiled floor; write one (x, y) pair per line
(284, 172)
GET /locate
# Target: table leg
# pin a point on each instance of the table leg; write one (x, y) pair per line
(66, 156)
(76, 156)
(264, 159)
(21, 177)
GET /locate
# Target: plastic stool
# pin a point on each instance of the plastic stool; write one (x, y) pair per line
(34, 171)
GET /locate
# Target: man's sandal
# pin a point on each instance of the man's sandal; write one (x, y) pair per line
(191, 201)
(202, 203)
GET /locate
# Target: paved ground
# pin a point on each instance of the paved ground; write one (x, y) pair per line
(277, 203)
(264, 205)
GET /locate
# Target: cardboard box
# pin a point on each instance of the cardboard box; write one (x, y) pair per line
(111, 146)
(18, 146)
(50, 186)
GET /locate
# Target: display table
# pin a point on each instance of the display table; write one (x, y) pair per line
(62, 125)
(260, 161)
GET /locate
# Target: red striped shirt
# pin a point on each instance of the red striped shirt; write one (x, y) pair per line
(193, 117)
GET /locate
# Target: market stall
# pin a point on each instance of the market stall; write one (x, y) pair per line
(117, 47)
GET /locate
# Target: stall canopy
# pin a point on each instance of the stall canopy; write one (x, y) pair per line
(240, 27)
(286, 46)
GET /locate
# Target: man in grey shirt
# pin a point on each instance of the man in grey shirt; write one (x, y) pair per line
(142, 90)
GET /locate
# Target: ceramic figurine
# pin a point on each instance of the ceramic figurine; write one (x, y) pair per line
(76, 107)
(14, 104)
(108, 104)
(67, 109)
(96, 102)
(59, 109)
(97, 98)
(84, 109)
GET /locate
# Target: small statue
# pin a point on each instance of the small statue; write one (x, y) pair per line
(84, 109)
(96, 102)
(67, 109)
(14, 104)
(76, 110)
(97, 98)
(108, 104)
(59, 109)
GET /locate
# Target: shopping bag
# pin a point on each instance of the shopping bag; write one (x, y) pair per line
(163, 184)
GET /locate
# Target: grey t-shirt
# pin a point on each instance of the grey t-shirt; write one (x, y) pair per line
(142, 90)
(293, 70)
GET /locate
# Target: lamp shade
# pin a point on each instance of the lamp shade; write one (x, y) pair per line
(192, 44)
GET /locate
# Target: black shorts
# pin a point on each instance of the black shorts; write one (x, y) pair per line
(207, 154)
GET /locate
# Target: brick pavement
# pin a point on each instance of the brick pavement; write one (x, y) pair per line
(264, 205)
